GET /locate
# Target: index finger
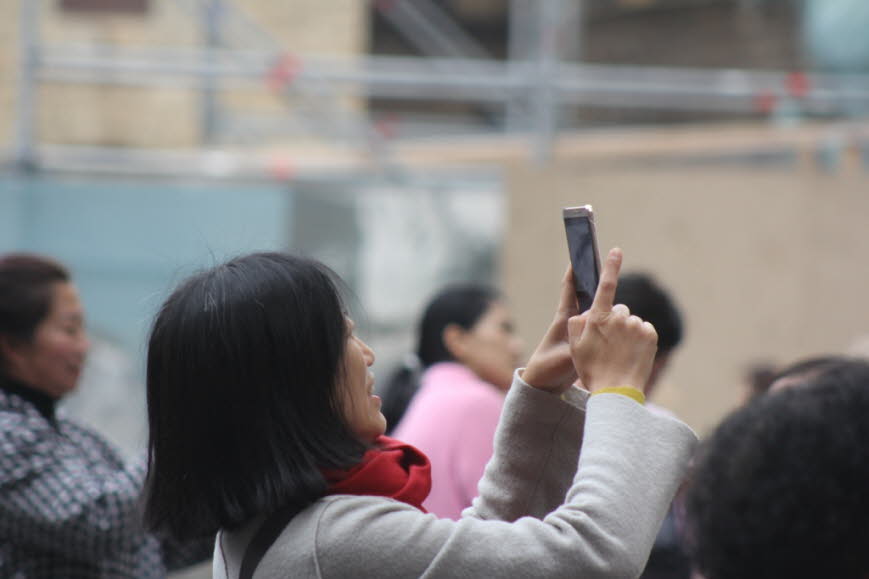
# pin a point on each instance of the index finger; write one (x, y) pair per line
(606, 287)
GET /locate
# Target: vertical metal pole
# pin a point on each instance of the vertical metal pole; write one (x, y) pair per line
(545, 99)
(212, 17)
(523, 28)
(572, 22)
(28, 62)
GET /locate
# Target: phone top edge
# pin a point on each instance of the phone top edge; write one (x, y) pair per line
(580, 211)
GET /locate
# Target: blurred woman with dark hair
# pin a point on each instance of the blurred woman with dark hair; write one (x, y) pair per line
(467, 350)
(264, 428)
(69, 504)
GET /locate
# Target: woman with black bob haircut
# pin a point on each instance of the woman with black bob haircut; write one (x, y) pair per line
(262, 407)
(780, 489)
(265, 429)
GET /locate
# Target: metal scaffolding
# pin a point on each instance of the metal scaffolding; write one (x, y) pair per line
(529, 90)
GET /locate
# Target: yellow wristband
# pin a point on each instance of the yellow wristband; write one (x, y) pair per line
(628, 391)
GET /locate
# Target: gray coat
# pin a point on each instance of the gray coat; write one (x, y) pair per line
(540, 511)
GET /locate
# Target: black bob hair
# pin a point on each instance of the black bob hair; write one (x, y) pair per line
(244, 407)
(780, 489)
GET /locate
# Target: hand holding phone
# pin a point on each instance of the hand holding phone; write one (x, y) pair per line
(584, 255)
(609, 346)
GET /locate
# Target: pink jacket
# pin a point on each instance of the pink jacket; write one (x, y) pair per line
(452, 419)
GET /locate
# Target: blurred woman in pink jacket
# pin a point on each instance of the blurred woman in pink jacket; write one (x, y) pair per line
(467, 351)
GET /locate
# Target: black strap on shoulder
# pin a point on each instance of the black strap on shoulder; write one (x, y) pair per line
(265, 537)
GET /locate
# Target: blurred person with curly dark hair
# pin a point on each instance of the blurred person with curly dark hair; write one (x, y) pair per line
(780, 488)
(804, 371)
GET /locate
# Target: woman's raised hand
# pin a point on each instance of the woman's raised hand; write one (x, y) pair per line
(605, 346)
(550, 366)
(609, 346)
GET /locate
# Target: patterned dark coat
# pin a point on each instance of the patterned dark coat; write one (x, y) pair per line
(69, 504)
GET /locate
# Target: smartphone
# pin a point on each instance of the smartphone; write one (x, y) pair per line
(584, 256)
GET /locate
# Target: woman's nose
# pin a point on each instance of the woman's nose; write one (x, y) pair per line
(368, 353)
(84, 344)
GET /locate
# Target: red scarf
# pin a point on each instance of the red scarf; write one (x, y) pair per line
(391, 469)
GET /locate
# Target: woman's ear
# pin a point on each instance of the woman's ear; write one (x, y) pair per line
(5, 348)
(453, 337)
(10, 350)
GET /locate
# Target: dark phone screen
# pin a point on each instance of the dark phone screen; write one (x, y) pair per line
(582, 248)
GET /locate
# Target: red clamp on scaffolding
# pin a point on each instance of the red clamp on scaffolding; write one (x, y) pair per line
(283, 72)
(798, 84)
(386, 127)
(281, 168)
(764, 102)
(385, 5)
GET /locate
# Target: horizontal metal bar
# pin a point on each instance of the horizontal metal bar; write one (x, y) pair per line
(482, 81)
(236, 165)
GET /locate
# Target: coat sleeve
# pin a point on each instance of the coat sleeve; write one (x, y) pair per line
(57, 498)
(630, 466)
(537, 445)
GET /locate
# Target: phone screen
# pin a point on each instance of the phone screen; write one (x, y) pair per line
(582, 245)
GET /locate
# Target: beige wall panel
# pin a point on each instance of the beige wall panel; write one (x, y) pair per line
(312, 26)
(124, 116)
(765, 264)
(114, 115)
(148, 117)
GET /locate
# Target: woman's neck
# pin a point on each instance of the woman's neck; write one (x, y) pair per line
(44, 403)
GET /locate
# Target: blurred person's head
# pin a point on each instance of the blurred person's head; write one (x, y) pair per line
(651, 302)
(42, 336)
(779, 489)
(256, 383)
(759, 377)
(470, 324)
(464, 323)
(804, 371)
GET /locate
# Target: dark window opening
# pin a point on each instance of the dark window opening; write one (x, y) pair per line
(105, 6)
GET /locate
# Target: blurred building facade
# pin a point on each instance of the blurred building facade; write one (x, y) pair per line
(85, 109)
(186, 73)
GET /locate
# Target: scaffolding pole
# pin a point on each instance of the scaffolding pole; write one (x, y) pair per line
(522, 26)
(468, 80)
(212, 17)
(545, 97)
(430, 29)
(237, 28)
(28, 59)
